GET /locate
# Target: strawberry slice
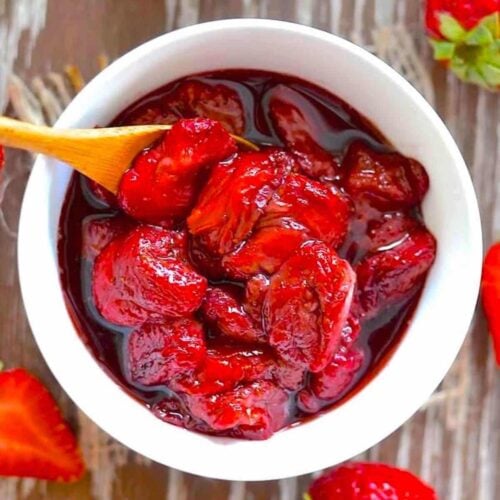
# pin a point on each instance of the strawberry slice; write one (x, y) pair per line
(34, 439)
(490, 288)
(358, 481)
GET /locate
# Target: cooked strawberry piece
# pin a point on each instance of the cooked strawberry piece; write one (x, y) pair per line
(235, 197)
(288, 376)
(98, 195)
(360, 481)
(322, 209)
(490, 291)
(390, 180)
(300, 210)
(157, 352)
(307, 304)
(151, 115)
(351, 331)
(296, 122)
(251, 411)
(392, 228)
(163, 182)
(218, 102)
(207, 264)
(224, 367)
(223, 311)
(98, 231)
(266, 249)
(144, 276)
(255, 292)
(35, 441)
(333, 382)
(388, 276)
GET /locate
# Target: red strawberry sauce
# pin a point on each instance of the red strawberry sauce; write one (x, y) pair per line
(235, 366)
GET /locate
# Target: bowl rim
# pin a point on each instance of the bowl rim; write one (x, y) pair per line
(107, 388)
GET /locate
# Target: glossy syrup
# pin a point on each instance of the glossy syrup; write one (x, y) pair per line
(337, 124)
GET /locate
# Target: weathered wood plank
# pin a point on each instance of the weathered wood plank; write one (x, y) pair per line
(454, 442)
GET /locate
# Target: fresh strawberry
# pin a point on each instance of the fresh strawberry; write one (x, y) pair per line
(490, 288)
(465, 35)
(35, 441)
(366, 481)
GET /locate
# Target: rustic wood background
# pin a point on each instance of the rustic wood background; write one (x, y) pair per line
(454, 442)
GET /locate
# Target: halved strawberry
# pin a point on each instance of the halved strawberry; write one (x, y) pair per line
(490, 288)
(35, 441)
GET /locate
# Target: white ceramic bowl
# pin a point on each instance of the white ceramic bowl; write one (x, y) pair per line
(440, 322)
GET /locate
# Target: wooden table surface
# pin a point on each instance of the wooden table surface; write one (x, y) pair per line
(454, 442)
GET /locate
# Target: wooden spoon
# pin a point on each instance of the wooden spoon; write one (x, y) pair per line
(102, 154)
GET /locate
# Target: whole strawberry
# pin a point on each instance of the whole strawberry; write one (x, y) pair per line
(465, 35)
(490, 290)
(369, 481)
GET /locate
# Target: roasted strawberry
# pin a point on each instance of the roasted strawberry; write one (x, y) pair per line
(465, 36)
(157, 352)
(333, 382)
(97, 195)
(322, 209)
(490, 290)
(391, 229)
(224, 367)
(151, 115)
(289, 376)
(235, 197)
(366, 481)
(224, 312)
(300, 210)
(307, 304)
(393, 274)
(144, 276)
(35, 441)
(297, 123)
(266, 249)
(218, 102)
(251, 411)
(99, 230)
(163, 182)
(255, 292)
(391, 181)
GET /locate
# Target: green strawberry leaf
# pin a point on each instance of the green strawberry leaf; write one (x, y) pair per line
(480, 35)
(491, 75)
(450, 28)
(443, 50)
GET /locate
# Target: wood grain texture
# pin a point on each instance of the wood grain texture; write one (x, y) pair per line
(454, 442)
